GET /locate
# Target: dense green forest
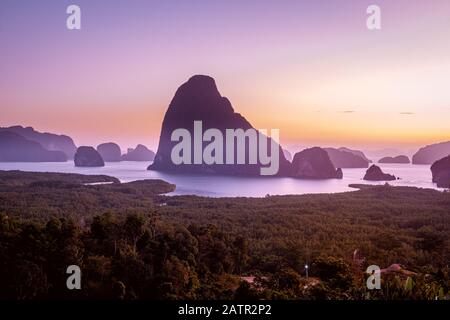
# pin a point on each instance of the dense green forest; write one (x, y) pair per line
(133, 242)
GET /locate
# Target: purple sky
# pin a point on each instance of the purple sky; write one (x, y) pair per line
(309, 68)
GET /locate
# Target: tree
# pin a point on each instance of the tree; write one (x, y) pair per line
(240, 253)
(106, 228)
(245, 292)
(335, 272)
(134, 227)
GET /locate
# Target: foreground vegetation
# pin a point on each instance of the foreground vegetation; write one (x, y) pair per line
(133, 242)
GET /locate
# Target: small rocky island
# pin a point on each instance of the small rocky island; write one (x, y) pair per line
(314, 163)
(110, 152)
(397, 159)
(374, 173)
(140, 153)
(88, 157)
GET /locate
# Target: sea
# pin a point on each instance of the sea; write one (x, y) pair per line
(229, 186)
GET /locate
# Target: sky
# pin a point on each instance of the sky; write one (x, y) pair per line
(309, 68)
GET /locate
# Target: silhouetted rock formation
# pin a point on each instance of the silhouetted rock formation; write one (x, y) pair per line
(314, 163)
(441, 172)
(15, 148)
(88, 157)
(356, 153)
(141, 153)
(110, 152)
(431, 153)
(199, 99)
(374, 173)
(49, 141)
(398, 159)
(346, 159)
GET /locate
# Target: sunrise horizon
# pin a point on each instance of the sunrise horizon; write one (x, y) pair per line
(317, 74)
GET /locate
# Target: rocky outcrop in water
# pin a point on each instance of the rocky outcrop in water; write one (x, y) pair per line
(110, 152)
(374, 173)
(398, 159)
(441, 172)
(199, 100)
(140, 153)
(88, 157)
(431, 153)
(314, 163)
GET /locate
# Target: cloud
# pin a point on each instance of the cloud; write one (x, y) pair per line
(407, 113)
(347, 111)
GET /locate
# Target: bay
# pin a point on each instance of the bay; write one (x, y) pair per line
(231, 186)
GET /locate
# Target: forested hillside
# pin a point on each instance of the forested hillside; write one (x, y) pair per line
(133, 242)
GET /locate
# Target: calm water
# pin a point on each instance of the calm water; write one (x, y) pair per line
(214, 186)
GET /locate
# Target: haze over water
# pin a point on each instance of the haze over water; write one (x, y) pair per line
(226, 186)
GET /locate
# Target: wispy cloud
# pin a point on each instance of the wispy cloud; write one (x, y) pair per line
(347, 111)
(407, 113)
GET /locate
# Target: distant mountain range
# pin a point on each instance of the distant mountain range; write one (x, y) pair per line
(48, 141)
(24, 144)
(15, 148)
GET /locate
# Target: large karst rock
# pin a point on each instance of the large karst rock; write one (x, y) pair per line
(342, 158)
(431, 153)
(88, 157)
(374, 173)
(110, 152)
(441, 172)
(314, 163)
(49, 141)
(15, 148)
(140, 153)
(199, 100)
